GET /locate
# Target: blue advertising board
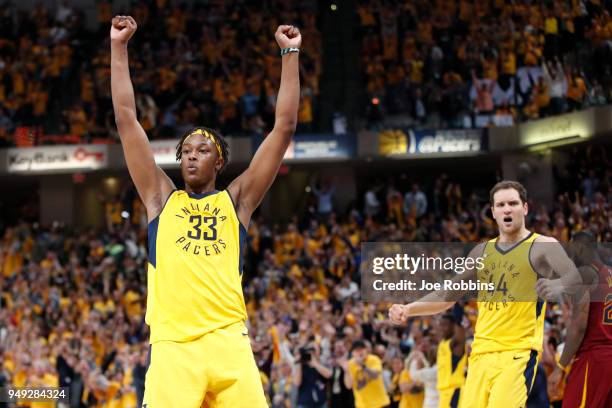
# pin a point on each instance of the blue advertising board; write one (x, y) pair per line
(317, 146)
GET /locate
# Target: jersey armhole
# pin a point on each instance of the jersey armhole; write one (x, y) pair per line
(533, 241)
(163, 206)
(484, 247)
(152, 228)
(242, 235)
(235, 210)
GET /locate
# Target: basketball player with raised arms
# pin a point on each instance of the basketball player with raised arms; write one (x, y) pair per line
(200, 349)
(509, 330)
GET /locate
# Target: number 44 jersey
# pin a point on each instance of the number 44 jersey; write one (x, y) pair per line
(195, 267)
(509, 317)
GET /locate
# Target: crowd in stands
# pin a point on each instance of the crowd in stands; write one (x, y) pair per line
(73, 300)
(215, 63)
(456, 63)
(452, 64)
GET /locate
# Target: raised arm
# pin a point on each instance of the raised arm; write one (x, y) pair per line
(249, 188)
(151, 182)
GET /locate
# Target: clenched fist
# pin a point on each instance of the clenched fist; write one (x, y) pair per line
(122, 29)
(398, 314)
(549, 289)
(288, 36)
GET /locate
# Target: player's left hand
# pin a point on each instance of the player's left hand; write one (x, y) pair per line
(398, 314)
(288, 36)
(395, 314)
(549, 289)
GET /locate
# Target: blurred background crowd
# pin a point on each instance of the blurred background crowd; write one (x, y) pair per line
(461, 63)
(73, 301)
(215, 63)
(447, 64)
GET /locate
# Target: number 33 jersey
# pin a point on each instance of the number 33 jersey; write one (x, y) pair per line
(195, 267)
(509, 317)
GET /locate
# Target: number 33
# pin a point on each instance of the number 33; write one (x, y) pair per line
(197, 220)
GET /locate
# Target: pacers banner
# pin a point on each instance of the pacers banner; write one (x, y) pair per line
(317, 147)
(423, 142)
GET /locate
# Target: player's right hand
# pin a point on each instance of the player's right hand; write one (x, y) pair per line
(122, 28)
(288, 36)
(398, 314)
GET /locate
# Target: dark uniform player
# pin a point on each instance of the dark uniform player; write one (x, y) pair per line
(589, 334)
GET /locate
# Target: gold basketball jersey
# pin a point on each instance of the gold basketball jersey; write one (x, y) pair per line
(510, 317)
(195, 269)
(451, 370)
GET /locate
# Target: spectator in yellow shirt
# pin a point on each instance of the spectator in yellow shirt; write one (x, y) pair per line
(364, 376)
(411, 390)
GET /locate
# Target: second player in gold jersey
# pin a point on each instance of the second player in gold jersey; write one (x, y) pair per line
(510, 317)
(194, 277)
(509, 329)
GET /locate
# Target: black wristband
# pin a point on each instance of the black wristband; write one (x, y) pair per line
(285, 51)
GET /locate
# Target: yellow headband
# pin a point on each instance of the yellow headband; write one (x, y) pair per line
(208, 136)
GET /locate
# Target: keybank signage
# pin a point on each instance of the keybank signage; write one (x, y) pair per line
(424, 142)
(57, 158)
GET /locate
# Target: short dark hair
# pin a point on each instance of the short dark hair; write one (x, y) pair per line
(358, 344)
(218, 138)
(507, 184)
